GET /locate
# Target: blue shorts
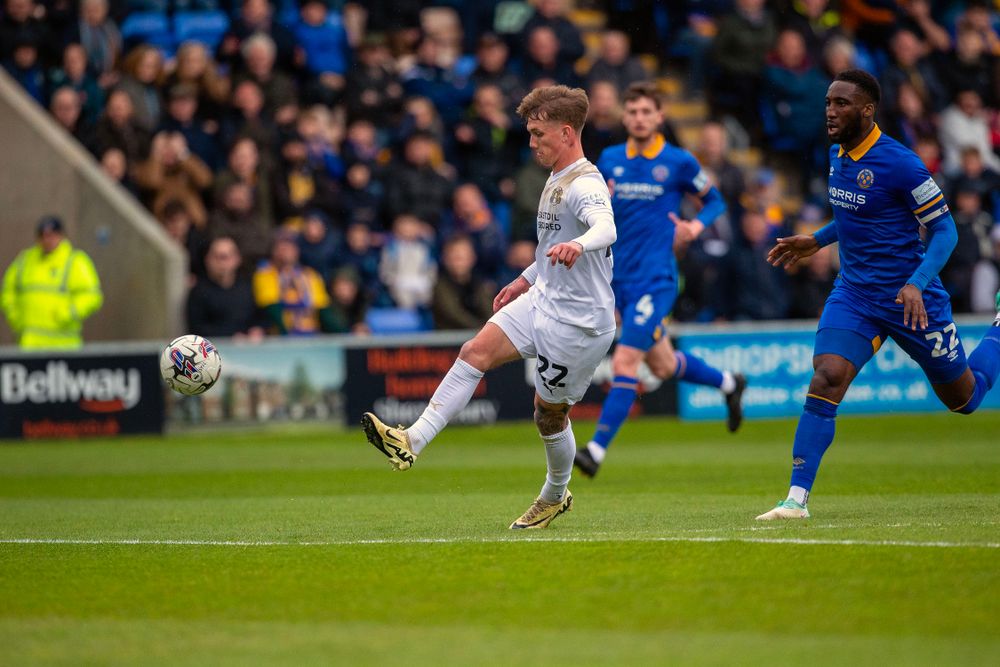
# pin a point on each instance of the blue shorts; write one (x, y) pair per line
(645, 309)
(854, 328)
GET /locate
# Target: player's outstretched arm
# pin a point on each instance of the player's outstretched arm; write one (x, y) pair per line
(790, 249)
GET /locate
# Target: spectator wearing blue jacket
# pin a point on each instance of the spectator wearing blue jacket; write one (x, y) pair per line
(324, 51)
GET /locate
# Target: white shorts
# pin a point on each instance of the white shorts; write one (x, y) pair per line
(567, 355)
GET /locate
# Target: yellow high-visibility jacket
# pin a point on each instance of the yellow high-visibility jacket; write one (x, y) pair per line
(46, 298)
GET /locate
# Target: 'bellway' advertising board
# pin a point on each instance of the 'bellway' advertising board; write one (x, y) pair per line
(76, 396)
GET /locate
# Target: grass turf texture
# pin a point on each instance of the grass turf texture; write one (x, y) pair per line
(631, 576)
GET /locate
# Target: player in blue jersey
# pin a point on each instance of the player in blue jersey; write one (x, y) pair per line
(648, 178)
(882, 195)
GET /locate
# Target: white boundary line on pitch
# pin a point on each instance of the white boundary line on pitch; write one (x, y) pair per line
(498, 540)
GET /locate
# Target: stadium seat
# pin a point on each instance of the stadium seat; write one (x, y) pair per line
(206, 27)
(148, 28)
(396, 321)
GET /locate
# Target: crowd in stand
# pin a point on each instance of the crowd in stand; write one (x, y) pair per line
(326, 162)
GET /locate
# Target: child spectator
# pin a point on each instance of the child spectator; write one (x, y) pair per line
(407, 267)
(319, 244)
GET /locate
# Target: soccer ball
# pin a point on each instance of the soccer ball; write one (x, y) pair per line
(190, 365)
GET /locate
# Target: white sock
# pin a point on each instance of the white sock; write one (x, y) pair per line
(799, 495)
(449, 398)
(596, 451)
(559, 451)
(728, 383)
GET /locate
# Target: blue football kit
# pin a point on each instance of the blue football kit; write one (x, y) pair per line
(881, 195)
(645, 187)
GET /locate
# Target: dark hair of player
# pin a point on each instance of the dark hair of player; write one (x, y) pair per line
(864, 81)
(641, 89)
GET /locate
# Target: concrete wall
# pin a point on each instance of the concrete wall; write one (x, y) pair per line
(44, 171)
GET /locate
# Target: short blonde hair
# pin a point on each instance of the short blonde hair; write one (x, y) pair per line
(561, 104)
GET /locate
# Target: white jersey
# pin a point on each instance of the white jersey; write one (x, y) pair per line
(572, 200)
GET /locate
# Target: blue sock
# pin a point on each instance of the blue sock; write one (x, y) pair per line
(812, 437)
(616, 408)
(692, 369)
(985, 364)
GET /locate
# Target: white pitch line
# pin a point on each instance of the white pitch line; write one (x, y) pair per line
(498, 540)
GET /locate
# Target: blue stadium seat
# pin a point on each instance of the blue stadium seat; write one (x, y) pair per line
(206, 27)
(396, 320)
(148, 28)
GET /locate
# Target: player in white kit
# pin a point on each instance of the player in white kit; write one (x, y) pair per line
(565, 318)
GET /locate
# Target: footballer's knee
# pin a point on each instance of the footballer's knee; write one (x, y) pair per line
(550, 418)
(662, 366)
(626, 360)
(831, 379)
(477, 354)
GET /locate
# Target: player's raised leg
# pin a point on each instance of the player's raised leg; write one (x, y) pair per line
(488, 349)
(965, 394)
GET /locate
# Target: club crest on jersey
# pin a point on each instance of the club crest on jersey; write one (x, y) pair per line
(866, 178)
(618, 170)
(661, 173)
(556, 196)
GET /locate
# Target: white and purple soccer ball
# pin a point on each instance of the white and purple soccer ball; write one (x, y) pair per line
(190, 365)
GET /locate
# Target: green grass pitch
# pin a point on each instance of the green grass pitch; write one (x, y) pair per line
(300, 547)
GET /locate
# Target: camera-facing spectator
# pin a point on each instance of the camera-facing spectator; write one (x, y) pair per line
(74, 74)
(244, 117)
(117, 128)
(970, 66)
(293, 297)
(472, 217)
(974, 246)
(414, 185)
(551, 15)
(221, 303)
(429, 78)
(604, 120)
(244, 166)
(349, 302)
(361, 254)
(19, 24)
(485, 144)
(236, 218)
(256, 17)
(407, 267)
(49, 290)
(542, 61)
(319, 244)
(176, 221)
(462, 300)
(195, 67)
(116, 167)
(100, 37)
(25, 68)
(67, 110)
(964, 123)
(143, 68)
(493, 68)
(763, 294)
(617, 65)
(280, 90)
(910, 64)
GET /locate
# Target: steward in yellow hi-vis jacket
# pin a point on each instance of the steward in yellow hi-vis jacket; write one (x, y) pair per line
(49, 290)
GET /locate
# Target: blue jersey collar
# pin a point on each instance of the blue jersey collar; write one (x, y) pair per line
(859, 151)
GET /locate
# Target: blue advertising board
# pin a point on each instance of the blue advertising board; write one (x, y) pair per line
(778, 366)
